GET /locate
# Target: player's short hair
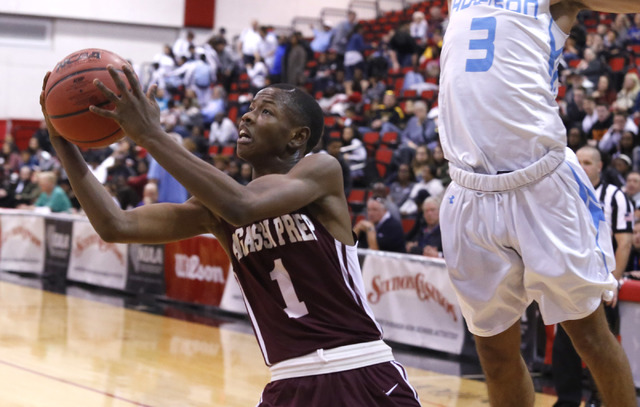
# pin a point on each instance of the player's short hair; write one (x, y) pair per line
(303, 111)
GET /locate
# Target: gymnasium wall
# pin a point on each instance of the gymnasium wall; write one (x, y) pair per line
(35, 34)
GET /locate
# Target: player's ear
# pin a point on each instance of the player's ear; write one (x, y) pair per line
(300, 137)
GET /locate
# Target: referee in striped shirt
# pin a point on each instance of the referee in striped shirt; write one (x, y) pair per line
(618, 212)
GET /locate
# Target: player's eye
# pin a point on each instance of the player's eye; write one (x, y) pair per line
(266, 111)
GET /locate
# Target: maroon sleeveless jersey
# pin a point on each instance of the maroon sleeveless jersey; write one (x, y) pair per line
(303, 289)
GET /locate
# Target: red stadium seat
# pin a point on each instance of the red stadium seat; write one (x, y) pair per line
(383, 160)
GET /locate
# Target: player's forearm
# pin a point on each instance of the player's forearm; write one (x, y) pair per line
(611, 6)
(213, 188)
(622, 254)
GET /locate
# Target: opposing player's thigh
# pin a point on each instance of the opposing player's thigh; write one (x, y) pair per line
(485, 268)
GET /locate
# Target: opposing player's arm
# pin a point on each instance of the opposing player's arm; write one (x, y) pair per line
(606, 6)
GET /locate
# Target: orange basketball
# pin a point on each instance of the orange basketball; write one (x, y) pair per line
(70, 91)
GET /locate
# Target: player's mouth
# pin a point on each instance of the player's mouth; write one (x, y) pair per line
(244, 137)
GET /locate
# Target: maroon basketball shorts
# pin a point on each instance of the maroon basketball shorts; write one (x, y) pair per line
(381, 385)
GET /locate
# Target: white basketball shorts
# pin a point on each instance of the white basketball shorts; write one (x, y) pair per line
(538, 233)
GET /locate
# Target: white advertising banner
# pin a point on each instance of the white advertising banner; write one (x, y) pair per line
(94, 261)
(412, 298)
(23, 243)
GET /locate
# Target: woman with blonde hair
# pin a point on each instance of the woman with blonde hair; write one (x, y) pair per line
(629, 92)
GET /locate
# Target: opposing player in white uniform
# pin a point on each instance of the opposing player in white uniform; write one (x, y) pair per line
(520, 220)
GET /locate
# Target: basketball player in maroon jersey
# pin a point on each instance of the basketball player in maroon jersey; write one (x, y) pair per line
(288, 234)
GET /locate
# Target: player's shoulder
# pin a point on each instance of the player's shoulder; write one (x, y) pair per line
(320, 160)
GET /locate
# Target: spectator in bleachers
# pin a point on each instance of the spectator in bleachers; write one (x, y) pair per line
(321, 38)
(23, 190)
(139, 180)
(341, 36)
(246, 172)
(10, 158)
(354, 56)
(570, 51)
(381, 190)
(630, 146)
(420, 129)
(189, 112)
(425, 238)
(267, 46)
(42, 134)
(592, 66)
(222, 131)
(275, 72)
(442, 165)
(632, 190)
(201, 77)
(633, 34)
(604, 93)
(402, 185)
(633, 266)
(258, 74)
(379, 231)
(627, 96)
(423, 157)
(429, 183)
(169, 189)
(375, 91)
(52, 197)
(610, 142)
(575, 138)
(216, 105)
(294, 62)
(38, 158)
(388, 116)
(149, 194)
(248, 42)
(591, 115)
(418, 29)
(333, 148)
(225, 62)
(354, 153)
(622, 165)
(575, 110)
(182, 44)
(403, 48)
(322, 74)
(602, 124)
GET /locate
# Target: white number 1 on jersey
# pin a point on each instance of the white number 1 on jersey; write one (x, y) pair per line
(295, 308)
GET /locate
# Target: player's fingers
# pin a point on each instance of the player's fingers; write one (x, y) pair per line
(133, 81)
(117, 79)
(151, 92)
(108, 93)
(109, 114)
(45, 79)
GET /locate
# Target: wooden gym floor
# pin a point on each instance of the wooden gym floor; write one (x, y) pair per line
(83, 348)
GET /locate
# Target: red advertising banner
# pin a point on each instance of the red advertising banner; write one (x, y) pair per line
(196, 270)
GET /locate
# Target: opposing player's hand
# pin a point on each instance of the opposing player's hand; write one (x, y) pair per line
(53, 133)
(138, 114)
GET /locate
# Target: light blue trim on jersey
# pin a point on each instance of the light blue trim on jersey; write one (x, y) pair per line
(553, 58)
(597, 214)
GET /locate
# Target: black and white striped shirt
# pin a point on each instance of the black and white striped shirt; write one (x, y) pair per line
(617, 208)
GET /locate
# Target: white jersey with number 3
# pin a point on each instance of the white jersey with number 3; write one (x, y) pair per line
(499, 83)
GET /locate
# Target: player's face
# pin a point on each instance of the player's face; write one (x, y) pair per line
(265, 129)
